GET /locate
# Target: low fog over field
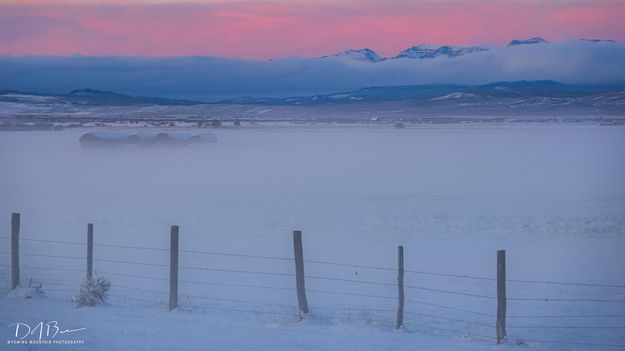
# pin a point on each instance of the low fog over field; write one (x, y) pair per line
(553, 196)
(430, 169)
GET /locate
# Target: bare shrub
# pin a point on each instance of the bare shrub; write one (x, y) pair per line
(93, 291)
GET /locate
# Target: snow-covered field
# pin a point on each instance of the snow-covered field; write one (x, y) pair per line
(553, 196)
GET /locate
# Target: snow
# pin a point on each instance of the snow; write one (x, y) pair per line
(551, 195)
(339, 96)
(456, 95)
(366, 55)
(31, 98)
(425, 51)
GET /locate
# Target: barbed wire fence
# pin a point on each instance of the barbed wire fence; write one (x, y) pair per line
(369, 301)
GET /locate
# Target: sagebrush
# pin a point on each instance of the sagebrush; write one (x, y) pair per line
(93, 291)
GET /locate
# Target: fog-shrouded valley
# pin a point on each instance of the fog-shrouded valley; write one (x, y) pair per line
(551, 195)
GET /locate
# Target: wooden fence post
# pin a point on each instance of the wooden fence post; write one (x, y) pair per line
(501, 295)
(89, 250)
(15, 250)
(173, 268)
(299, 272)
(400, 286)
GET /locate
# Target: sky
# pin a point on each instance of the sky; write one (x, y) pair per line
(259, 30)
(216, 49)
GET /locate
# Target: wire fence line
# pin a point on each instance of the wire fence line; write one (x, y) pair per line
(159, 303)
(292, 314)
(451, 308)
(463, 321)
(547, 299)
(226, 270)
(312, 290)
(201, 297)
(189, 298)
(569, 316)
(325, 262)
(318, 291)
(551, 299)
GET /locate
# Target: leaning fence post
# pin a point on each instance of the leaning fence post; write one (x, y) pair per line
(89, 250)
(299, 272)
(15, 250)
(173, 268)
(400, 286)
(501, 295)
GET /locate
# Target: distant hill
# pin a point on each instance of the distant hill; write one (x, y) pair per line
(496, 90)
(90, 97)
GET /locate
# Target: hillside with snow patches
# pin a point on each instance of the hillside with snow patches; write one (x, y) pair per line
(501, 102)
(520, 97)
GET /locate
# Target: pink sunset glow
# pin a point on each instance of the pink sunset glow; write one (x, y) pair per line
(265, 29)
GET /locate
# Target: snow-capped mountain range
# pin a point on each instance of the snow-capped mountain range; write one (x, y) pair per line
(432, 51)
(358, 55)
(425, 51)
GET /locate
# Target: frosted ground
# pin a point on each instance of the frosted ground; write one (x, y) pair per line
(553, 196)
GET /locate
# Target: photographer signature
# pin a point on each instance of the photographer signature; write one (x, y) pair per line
(42, 329)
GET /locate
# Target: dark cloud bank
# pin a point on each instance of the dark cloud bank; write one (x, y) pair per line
(212, 79)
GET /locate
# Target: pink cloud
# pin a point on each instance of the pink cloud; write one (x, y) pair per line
(258, 30)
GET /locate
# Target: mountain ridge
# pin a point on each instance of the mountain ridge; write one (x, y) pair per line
(417, 92)
(89, 96)
(494, 90)
(427, 51)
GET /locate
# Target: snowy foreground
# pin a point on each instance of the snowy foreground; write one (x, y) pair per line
(552, 196)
